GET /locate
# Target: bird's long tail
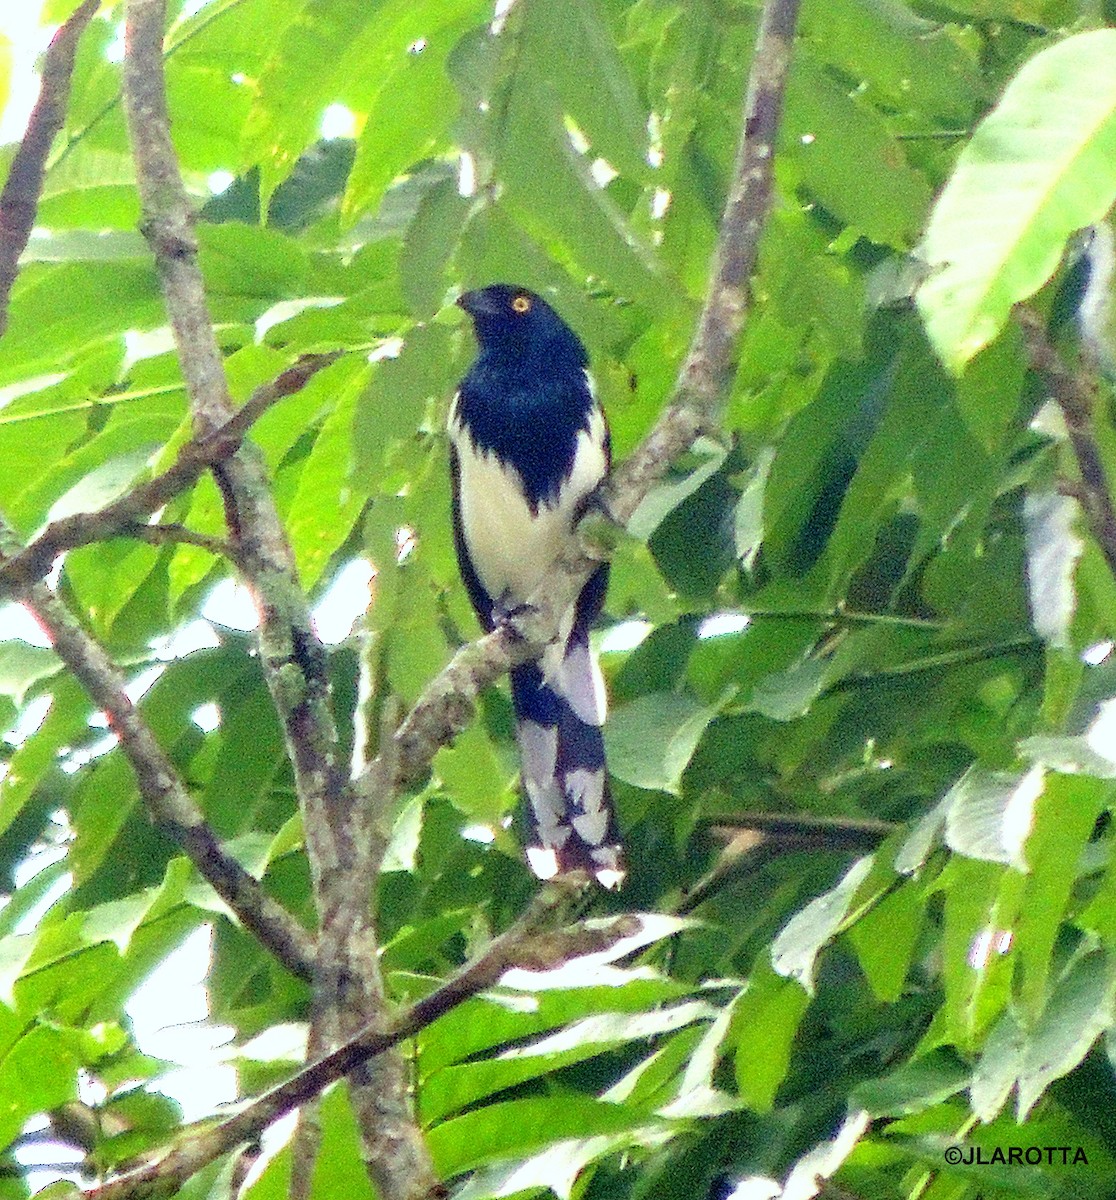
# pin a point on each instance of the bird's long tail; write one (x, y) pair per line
(559, 708)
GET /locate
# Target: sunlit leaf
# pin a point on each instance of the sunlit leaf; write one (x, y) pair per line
(1081, 1006)
(1041, 165)
(795, 950)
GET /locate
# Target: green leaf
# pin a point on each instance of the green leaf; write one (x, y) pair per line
(39, 1073)
(665, 497)
(697, 1092)
(59, 311)
(1083, 1004)
(918, 440)
(981, 906)
(653, 1081)
(558, 1167)
(473, 776)
(244, 260)
(1065, 817)
(913, 1087)
(507, 1015)
(885, 939)
(550, 187)
(407, 122)
(431, 239)
(649, 743)
(795, 950)
(1053, 548)
(395, 402)
(1083, 755)
(1041, 165)
(338, 1169)
(991, 814)
(326, 506)
(998, 1069)
(591, 79)
(22, 666)
(833, 141)
(749, 530)
(117, 920)
(250, 755)
(15, 950)
(67, 719)
(764, 1023)
(457, 1087)
(902, 59)
(517, 1127)
(296, 84)
(406, 835)
(789, 694)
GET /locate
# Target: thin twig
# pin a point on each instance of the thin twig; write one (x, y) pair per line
(19, 200)
(1075, 395)
(529, 944)
(841, 831)
(122, 515)
(755, 839)
(172, 534)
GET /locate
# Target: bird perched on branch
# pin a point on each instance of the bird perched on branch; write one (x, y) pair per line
(529, 446)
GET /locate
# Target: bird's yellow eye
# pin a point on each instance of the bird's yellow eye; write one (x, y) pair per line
(521, 304)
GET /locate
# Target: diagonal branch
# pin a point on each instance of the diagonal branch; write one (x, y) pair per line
(200, 453)
(161, 788)
(1075, 395)
(19, 200)
(709, 369)
(446, 706)
(528, 944)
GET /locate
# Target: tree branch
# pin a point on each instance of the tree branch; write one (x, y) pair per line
(171, 533)
(19, 200)
(165, 797)
(351, 996)
(835, 833)
(196, 456)
(707, 374)
(1075, 395)
(447, 704)
(752, 840)
(292, 655)
(528, 945)
(349, 990)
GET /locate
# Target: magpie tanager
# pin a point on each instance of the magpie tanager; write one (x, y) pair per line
(529, 445)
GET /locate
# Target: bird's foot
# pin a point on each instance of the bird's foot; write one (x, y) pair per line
(506, 611)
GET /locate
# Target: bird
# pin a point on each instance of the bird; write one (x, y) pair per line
(529, 447)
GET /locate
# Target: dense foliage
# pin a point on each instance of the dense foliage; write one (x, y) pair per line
(859, 648)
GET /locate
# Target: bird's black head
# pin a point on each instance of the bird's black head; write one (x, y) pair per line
(512, 320)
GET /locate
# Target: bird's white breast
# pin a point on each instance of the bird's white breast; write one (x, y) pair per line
(512, 548)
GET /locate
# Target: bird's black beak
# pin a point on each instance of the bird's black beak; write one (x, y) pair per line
(478, 303)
